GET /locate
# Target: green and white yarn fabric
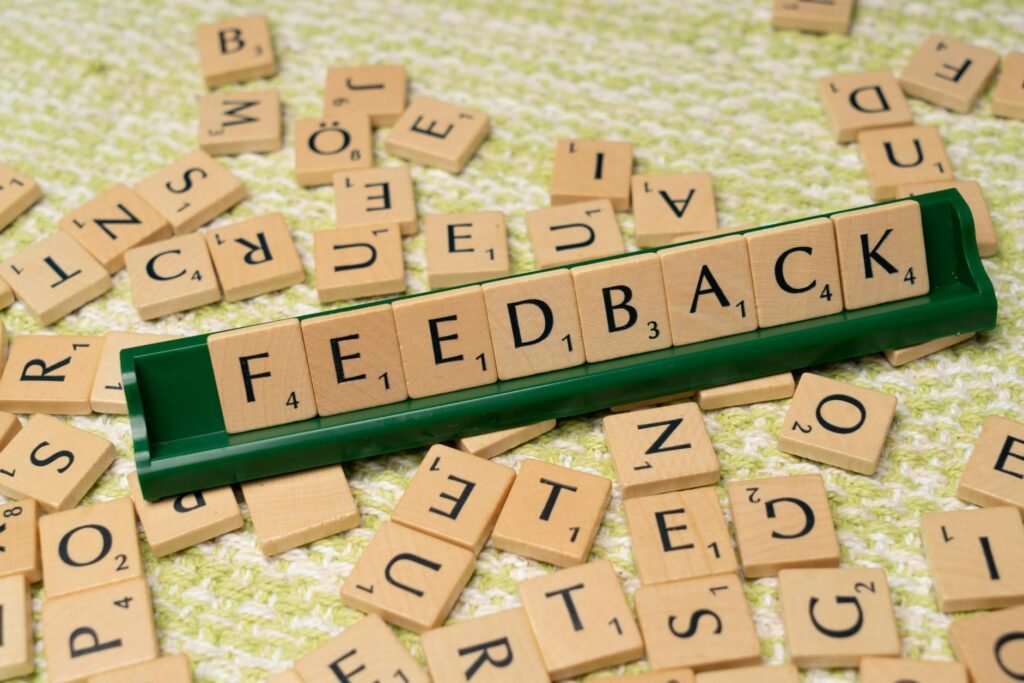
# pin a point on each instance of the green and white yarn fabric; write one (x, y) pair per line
(101, 91)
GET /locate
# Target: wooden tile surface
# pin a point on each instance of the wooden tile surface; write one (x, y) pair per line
(18, 192)
(107, 394)
(668, 207)
(254, 257)
(592, 169)
(19, 538)
(779, 673)
(760, 390)
(949, 73)
(437, 133)
(855, 102)
(989, 645)
(970, 190)
(901, 156)
(235, 50)
(17, 647)
(1008, 96)
(560, 235)
(892, 670)
(239, 122)
(191, 191)
(462, 248)
(902, 356)
(50, 373)
(375, 197)
(358, 262)
(172, 276)
(493, 444)
(828, 16)
(375, 90)
(994, 472)
(330, 145)
(368, 649)
(167, 669)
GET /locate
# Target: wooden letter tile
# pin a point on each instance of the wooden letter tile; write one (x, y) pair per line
(667, 676)
(498, 648)
(374, 197)
(107, 395)
(436, 133)
(552, 513)
(255, 257)
(1007, 98)
(990, 645)
(326, 146)
(581, 620)
(833, 617)
(465, 247)
(679, 535)
(970, 190)
(50, 373)
(976, 557)
(760, 390)
(17, 193)
(54, 277)
(949, 73)
(360, 261)
(98, 630)
(795, 272)
(898, 357)
(653, 402)
(172, 276)
(409, 578)
(89, 546)
(455, 496)
(709, 290)
(892, 670)
(900, 156)
(592, 169)
(994, 474)
(354, 361)
(781, 523)
(494, 444)
(6, 299)
(782, 673)
(19, 538)
(235, 50)
(445, 342)
(114, 222)
(191, 191)
(836, 423)
(561, 235)
(169, 669)
(668, 207)
(534, 323)
(818, 16)
(9, 426)
(52, 462)
(368, 648)
(377, 91)
(17, 647)
(856, 102)
(701, 623)
(262, 376)
(237, 122)
(661, 449)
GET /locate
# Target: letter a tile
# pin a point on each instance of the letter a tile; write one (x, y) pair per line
(366, 649)
(990, 645)
(994, 474)
(50, 374)
(670, 207)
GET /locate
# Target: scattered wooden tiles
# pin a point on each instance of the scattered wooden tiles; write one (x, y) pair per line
(782, 673)
(855, 102)
(592, 169)
(169, 669)
(107, 394)
(17, 647)
(368, 648)
(239, 122)
(902, 356)
(376, 197)
(1008, 96)
(462, 248)
(235, 50)
(255, 257)
(818, 16)
(561, 235)
(437, 133)
(892, 670)
(17, 193)
(901, 156)
(949, 73)
(50, 373)
(358, 262)
(327, 146)
(191, 191)
(19, 540)
(668, 207)
(377, 91)
(493, 444)
(172, 276)
(989, 645)
(970, 190)
(760, 390)
(994, 473)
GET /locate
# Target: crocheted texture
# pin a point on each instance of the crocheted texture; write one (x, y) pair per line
(97, 92)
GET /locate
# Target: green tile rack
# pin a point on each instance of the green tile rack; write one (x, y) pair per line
(181, 446)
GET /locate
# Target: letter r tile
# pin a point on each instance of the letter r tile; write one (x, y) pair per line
(499, 648)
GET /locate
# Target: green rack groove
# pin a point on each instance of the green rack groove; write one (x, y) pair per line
(181, 446)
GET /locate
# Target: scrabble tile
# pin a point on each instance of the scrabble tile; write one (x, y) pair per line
(702, 623)
(255, 257)
(3, 340)
(994, 473)
(1008, 96)
(838, 424)
(581, 620)
(6, 299)
(169, 669)
(89, 546)
(235, 50)
(114, 222)
(795, 272)
(377, 91)
(288, 676)
(855, 102)
(327, 508)
(679, 535)
(19, 540)
(560, 235)
(592, 169)
(552, 513)
(17, 647)
(496, 648)
(892, 670)
(357, 262)
(180, 522)
(661, 449)
(171, 276)
(445, 342)
(781, 673)
(667, 676)
(494, 444)
(17, 193)
(465, 247)
(976, 557)
(970, 190)
(54, 277)
(782, 523)
(411, 579)
(326, 146)
(375, 197)
(901, 156)
(760, 390)
(50, 373)
(819, 16)
(668, 207)
(534, 324)
(354, 361)
(239, 122)
(622, 307)
(949, 73)
(437, 133)
(107, 395)
(262, 377)
(454, 496)
(833, 617)
(989, 645)
(652, 402)
(368, 648)
(191, 191)
(902, 356)
(98, 630)
(708, 289)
